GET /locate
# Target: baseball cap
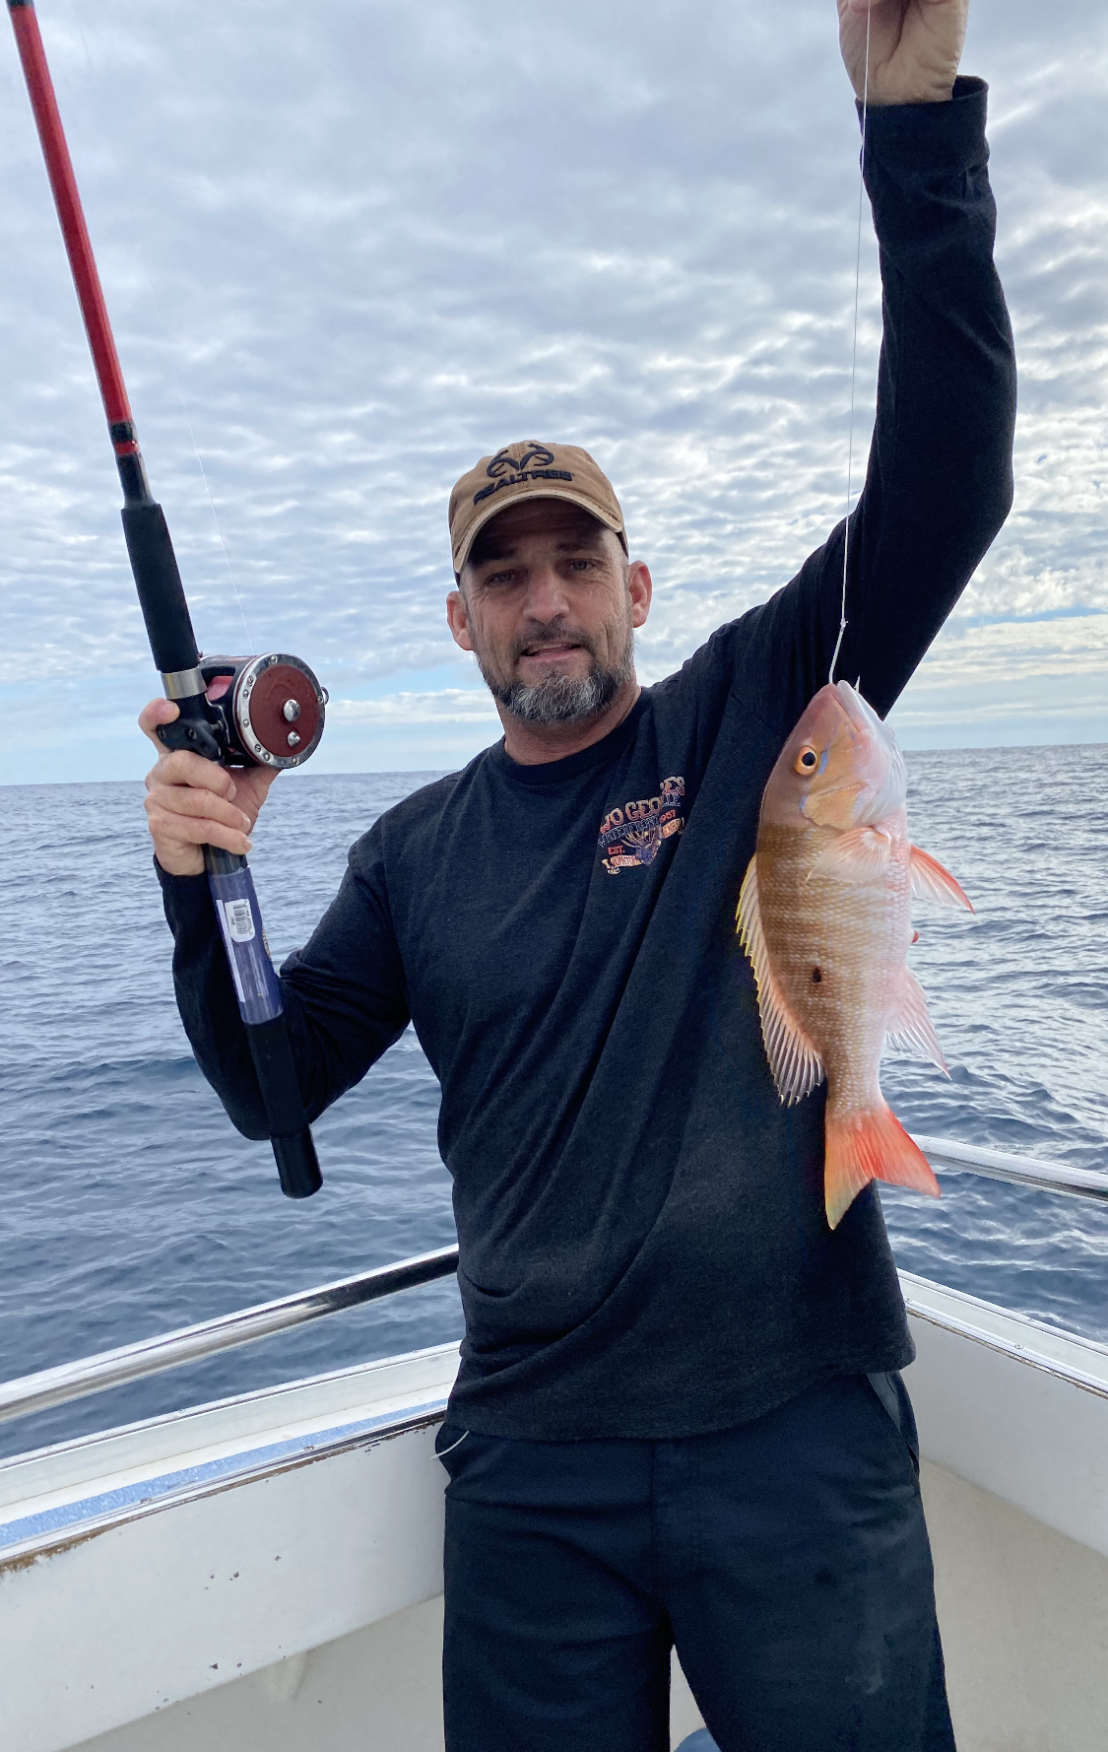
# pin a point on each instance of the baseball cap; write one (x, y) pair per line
(529, 471)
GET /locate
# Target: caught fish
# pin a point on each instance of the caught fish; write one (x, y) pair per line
(825, 916)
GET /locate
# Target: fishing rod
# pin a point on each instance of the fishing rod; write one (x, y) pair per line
(238, 711)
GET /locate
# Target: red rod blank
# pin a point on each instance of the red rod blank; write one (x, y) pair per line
(59, 168)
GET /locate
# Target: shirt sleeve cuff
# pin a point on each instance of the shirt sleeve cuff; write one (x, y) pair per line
(913, 138)
(187, 899)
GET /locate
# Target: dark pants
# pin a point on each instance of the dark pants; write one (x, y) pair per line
(786, 1559)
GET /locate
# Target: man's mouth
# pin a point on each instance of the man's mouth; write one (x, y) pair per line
(551, 652)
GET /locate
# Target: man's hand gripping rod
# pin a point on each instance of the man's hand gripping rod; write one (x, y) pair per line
(254, 723)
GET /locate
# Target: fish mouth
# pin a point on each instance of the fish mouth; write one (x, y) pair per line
(861, 713)
(877, 778)
(883, 790)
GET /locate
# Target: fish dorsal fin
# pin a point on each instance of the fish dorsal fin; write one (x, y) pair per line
(862, 855)
(911, 1027)
(796, 1065)
(931, 882)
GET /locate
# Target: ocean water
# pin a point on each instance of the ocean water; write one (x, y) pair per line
(129, 1205)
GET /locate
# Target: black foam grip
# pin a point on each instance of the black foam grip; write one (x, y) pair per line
(293, 1148)
(158, 582)
(297, 1165)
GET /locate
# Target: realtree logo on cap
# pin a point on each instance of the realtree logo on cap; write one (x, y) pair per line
(517, 472)
(529, 470)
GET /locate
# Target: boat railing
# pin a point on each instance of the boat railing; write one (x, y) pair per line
(188, 1344)
(131, 1362)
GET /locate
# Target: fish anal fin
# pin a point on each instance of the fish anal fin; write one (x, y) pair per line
(931, 882)
(862, 855)
(861, 1147)
(796, 1065)
(910, 1025)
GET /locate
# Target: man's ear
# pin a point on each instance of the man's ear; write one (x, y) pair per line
(457, 619)
(640, 588)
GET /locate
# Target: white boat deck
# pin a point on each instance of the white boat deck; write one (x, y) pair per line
(266, 1572)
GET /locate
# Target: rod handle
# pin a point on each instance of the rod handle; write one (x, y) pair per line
(297, 1164)
(160, 593)
(293, 1148)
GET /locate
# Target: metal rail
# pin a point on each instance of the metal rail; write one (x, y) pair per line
(190, 1343)
(1019, 1170)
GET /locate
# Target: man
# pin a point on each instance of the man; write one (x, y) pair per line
(678, 1418)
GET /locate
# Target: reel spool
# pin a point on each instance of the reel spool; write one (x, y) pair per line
(271, 709)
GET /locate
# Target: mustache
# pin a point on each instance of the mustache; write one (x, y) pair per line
(557, 632)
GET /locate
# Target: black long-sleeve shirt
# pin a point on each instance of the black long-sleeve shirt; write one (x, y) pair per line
(643, 1245)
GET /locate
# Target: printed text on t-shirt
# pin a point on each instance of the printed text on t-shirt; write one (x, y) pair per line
(632, 836)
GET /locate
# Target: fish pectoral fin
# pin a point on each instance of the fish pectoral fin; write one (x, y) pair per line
(794, 1062)
(911, 1027)
(862, 855)
(931, 882)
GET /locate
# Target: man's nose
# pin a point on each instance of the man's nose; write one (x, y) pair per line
(546, 594)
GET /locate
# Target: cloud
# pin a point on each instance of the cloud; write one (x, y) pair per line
(1022, 681)
(449, 705)
(351, 251)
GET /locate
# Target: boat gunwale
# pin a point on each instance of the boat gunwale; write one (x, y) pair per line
(268, 1460)
(60, 1385)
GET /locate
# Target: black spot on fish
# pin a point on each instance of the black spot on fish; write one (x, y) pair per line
(816, 976)
(824, 1577)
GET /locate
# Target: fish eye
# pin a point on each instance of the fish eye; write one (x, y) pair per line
(807, 760)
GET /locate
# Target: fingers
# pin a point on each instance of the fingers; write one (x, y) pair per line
(192, 802)
(189, 802)
(195, 802)
(176, 837)
(902, 51)
(154, 713)
(183, 819)
(180, 767)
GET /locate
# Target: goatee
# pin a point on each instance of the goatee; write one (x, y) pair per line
(564, 699)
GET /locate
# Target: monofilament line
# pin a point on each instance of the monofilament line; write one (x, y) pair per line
(156, 305)
(854, 351)
(211, 501)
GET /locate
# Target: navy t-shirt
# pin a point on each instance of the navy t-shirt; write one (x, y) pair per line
(644, 1250)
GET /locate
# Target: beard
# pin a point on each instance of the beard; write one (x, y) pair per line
(561, 699)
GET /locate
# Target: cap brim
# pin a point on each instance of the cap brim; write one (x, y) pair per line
(570, 498)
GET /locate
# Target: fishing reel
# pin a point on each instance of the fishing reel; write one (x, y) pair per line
(260, 711)
(269, 710)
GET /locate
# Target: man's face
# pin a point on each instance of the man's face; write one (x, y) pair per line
(548, 604)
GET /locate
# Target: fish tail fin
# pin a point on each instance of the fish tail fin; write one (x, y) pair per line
(861, 1147)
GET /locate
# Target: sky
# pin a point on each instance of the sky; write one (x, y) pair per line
(348, 249)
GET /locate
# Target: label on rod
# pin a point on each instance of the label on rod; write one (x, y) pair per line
(256, 984)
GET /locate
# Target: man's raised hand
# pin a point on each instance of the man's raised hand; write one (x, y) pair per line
(914, 48)
(192, 802)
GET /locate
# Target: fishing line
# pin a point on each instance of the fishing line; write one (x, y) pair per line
(169, 352)
(81, 29)
(854, 354)
(199, 458)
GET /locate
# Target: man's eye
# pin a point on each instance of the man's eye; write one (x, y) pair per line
(580, 565)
